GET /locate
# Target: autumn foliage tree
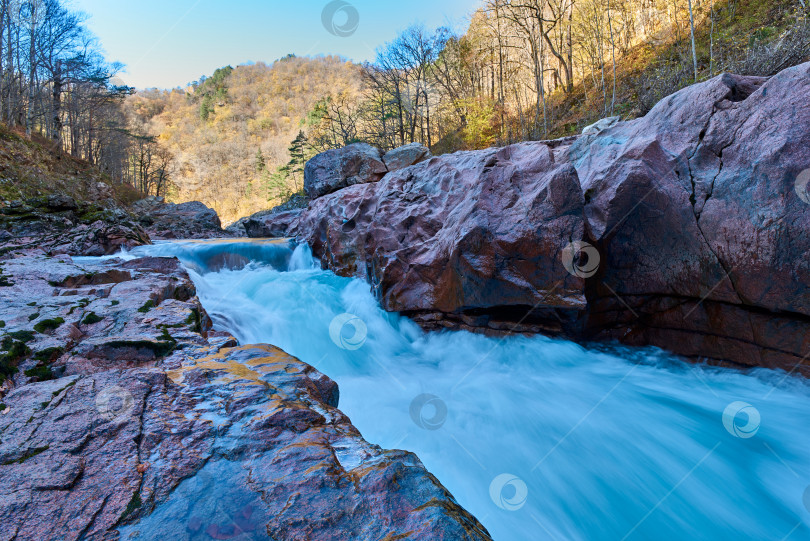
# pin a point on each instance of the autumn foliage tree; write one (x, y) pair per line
(56, 84)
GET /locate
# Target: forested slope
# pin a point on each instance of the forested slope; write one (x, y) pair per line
(523, 70)
(34, 167)
(229, 134)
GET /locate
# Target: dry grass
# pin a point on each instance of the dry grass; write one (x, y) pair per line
(31, 167)
(751, 37)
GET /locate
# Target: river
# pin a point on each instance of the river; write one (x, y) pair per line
(539, 438)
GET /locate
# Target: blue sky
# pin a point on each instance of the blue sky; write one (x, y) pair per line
(168, 43)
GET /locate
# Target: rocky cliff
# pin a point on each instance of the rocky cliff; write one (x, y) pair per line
(685, 229)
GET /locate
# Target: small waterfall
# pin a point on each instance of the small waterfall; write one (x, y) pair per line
(203, 256)
(539, 438)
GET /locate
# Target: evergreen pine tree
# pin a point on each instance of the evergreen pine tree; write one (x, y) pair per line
(298, 158)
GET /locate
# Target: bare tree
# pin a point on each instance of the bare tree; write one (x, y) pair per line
(692, 33)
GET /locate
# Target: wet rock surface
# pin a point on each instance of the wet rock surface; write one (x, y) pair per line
(686, 229)
(460, 233)
(125, 416)
(190, 220)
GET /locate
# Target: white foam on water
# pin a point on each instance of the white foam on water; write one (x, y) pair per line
(538, 438)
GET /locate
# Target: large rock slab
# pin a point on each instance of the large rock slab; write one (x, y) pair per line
(59, 224)
(702, 231)
(190, 220)
(271, 225)
(405, 156)
(686, 229)
(141, 422)
(335, 169)
(459, 233)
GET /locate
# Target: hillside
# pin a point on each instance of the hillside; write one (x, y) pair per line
(32, 167)
(231, 132)
(748, 37)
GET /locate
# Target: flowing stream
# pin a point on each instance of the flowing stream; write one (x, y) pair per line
(538, 438)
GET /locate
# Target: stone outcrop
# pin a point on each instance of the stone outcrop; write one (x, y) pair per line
(703, 232)
(458, 233)
(271, 225)
(190, 220)
(255, 222)
(332, 170)
(405, 156)
(685, 229)
(59, 224)
(123, 415)
(600, 125)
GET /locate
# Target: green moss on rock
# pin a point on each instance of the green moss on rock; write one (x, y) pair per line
(48, 354)
(48, 324)
(22, 336)
(91, 318)
(42, 372)
(28, 454)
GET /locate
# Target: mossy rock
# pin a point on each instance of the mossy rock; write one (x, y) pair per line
(48, 355)
(28, 454)
(22, 336)
(48, 325)
(91, 318)
(16, 350)
(42, 372)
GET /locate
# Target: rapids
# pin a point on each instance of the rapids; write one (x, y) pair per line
(538, 438)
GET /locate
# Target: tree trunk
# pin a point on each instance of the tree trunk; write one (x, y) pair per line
(57, 105)
(570, 75)
(613, 55)
(32, 69)
(711, 43)
(692, 31)
(3, 11)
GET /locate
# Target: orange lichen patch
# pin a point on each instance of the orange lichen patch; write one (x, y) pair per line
(251, 369)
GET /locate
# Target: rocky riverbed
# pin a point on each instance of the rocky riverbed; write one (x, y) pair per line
(124, 415)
